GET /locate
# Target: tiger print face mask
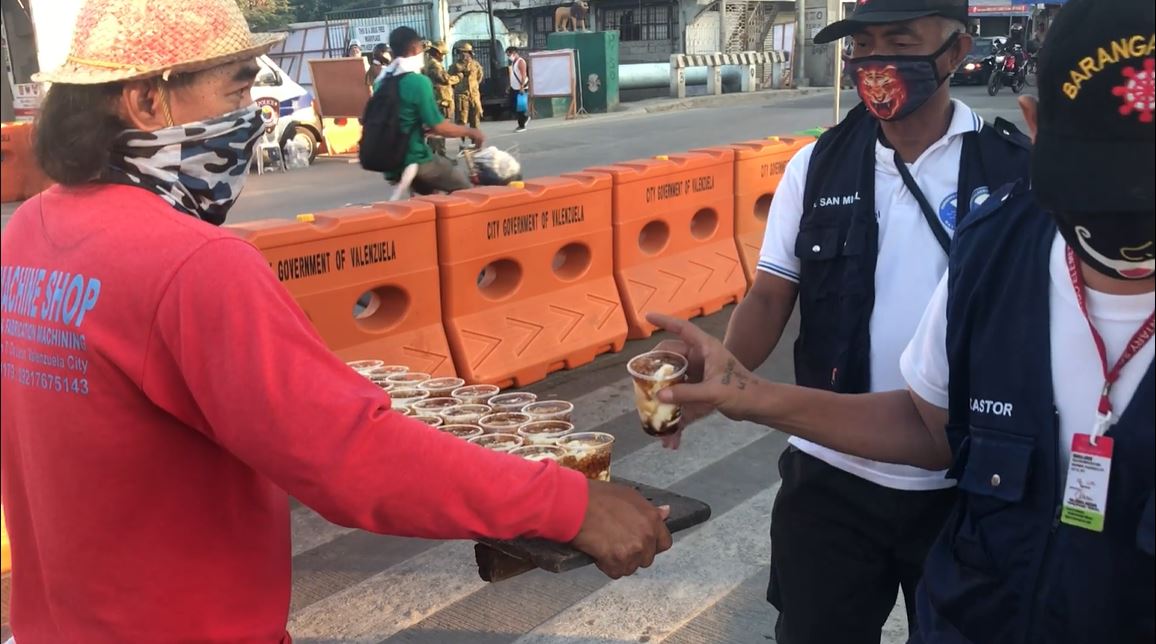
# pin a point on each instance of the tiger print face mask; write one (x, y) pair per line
(198, 168)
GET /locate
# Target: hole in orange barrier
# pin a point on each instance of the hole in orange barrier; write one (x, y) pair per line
(381, 308)
(704, 224)
(498, 280)
(571, 261)
(763, 207)
(653, 237)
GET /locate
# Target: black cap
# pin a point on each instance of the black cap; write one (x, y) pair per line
(1094, 145)
(881, 12)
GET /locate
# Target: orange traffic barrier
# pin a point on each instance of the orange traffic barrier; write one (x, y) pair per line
(367, 278)
(674, 246)
(22, 176)
(528, 277)
(759, 166)
(16, 159)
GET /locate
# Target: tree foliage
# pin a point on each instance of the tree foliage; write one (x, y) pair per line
(267, 15)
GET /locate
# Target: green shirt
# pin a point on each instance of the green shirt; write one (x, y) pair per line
(419, 112)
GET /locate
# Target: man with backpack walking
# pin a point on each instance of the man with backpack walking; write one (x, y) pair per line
(398, 118)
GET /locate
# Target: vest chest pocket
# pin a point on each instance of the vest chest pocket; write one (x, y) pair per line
(995, 478)
(998, 465)
(817, 243)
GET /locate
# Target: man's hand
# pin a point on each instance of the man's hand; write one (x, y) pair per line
(477, 137)
(691, 412)
(622, 531)
(715, 379)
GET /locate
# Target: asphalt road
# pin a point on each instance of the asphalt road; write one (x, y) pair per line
(351, 586)
(554, 146)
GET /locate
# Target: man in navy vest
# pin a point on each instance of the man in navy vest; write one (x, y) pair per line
(1031, 372)
(859, 233)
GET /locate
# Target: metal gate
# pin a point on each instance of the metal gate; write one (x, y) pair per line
(372, 26)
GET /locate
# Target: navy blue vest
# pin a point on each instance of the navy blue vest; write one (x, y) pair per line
(1004, 569)
(838, 244)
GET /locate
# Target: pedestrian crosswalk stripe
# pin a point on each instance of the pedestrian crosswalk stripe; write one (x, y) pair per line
(701, 568)
(404, 594)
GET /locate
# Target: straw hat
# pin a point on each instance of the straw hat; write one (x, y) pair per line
(119, 40)
(466, 47)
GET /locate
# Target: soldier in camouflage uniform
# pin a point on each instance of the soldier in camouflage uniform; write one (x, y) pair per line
(468, 91)
(443, 85)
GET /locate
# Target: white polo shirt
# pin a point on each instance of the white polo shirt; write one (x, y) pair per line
(909, 267)
(1077, 378)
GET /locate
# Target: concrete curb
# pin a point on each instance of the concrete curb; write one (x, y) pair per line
(767, 97)
(665, 105)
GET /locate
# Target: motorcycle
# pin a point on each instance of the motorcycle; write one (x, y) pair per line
(1006, 72)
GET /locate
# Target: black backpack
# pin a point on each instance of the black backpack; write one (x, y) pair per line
(383, 142)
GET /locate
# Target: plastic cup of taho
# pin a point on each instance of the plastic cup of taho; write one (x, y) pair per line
(589, 453)
(652, 372)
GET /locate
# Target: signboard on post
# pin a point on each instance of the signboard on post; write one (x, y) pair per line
(814, 19)
(553, 75)
(26, 100)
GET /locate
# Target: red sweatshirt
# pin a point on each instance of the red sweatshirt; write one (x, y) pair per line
(161, 394)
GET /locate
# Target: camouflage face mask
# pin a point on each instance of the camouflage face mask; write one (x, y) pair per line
(198, 168)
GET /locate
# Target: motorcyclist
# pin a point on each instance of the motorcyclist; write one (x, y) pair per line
(1015, 45)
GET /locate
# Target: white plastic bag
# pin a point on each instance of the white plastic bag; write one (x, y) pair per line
(496, 167)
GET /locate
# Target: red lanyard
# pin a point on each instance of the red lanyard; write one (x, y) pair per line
(1104, 418)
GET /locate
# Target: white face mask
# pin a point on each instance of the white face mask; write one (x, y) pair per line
(408, 64)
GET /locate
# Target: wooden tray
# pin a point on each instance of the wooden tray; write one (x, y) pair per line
(499, 560)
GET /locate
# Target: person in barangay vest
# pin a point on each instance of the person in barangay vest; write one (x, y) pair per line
(1030, 376)
(148, 455)
(859, 235)
(468, 92)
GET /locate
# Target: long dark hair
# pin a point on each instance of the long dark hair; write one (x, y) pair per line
(75, 131)
(77, 126)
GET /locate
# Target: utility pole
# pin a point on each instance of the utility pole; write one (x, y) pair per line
(838, 45)
(722, 26)
(493, 46)
(798, 74)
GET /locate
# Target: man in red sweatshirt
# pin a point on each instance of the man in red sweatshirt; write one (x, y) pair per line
(162, 392)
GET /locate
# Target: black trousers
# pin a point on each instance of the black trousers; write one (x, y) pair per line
(841, 548)
(522, 116)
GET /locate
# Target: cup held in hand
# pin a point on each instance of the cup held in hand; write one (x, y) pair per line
(652, 372)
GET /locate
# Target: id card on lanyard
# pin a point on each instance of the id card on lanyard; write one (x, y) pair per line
(1090, 467)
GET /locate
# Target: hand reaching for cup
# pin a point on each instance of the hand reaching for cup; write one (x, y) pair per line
(715, 379)
(690, 412)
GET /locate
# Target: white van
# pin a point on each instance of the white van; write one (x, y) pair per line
(297, 119)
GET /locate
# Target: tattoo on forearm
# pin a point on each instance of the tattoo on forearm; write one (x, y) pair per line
(729, 375)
